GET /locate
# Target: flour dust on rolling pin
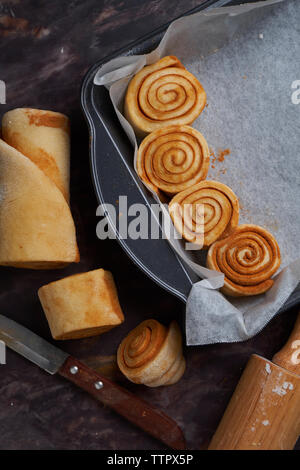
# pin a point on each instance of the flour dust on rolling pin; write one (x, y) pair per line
(2, 92)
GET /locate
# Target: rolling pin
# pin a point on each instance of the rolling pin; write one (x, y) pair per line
(264, 411)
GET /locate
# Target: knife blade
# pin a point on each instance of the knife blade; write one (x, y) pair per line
(31, 346)
(53, 360)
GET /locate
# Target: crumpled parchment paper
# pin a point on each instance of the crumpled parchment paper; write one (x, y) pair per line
(247, 59)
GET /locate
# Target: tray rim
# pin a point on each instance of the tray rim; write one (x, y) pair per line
(127, 249)
(156, 34)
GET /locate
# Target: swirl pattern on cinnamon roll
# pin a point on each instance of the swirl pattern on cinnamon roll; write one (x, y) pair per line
(248, 258)
(205, 212)
(163, 94)
(173, 158)
(151, 354)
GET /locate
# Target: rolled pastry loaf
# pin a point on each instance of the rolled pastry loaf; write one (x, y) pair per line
(163, 94)
(44, 137)
(36, 226)
(152, 354)
(248, 258)
(173, 158)
(205, 212)
(81, 305)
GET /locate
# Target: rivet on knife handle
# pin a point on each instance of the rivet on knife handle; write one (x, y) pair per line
(135, 410)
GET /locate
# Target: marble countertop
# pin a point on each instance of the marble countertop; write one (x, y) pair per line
(44, 53)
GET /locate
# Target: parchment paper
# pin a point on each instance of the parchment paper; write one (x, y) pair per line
(247, 58)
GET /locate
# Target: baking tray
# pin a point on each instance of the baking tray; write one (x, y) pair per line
(113, 174)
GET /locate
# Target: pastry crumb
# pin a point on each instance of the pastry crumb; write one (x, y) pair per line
(222, 154)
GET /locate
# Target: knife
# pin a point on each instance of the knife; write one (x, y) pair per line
(53, 360)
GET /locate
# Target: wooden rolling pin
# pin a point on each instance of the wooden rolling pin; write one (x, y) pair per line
(264, 411)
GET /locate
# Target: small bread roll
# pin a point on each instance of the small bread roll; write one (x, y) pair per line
(205, 212)
(163, 94)
(152, 354)
(36, 226)
(44, 137)
(173, 158)
(248, 258)
(81, 305)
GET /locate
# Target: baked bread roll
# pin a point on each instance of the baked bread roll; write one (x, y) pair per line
(152, 354)
(36, 226)
(44, 137)
(248, 258)
(173, 158)
(205, 212)
(163, 94)
(81, 305)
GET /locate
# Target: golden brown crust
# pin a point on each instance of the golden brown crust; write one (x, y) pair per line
(39, 117)
(81, 305)
(43, 137)
(151, 354)
(249, 257)
(163, 94)
(36, 226)
(205, 212)
(173, 158)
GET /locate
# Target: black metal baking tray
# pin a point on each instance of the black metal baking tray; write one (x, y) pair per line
(113, 174)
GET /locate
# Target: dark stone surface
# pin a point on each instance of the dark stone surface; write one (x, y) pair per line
(45, 50)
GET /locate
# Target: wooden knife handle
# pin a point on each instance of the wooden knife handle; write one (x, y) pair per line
(289, 356)
(132, 408)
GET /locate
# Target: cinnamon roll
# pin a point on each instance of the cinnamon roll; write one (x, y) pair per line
(163, 94)
(173, 158)
(43, 137)
(205, 212)
(249, 257)
(152, 354)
